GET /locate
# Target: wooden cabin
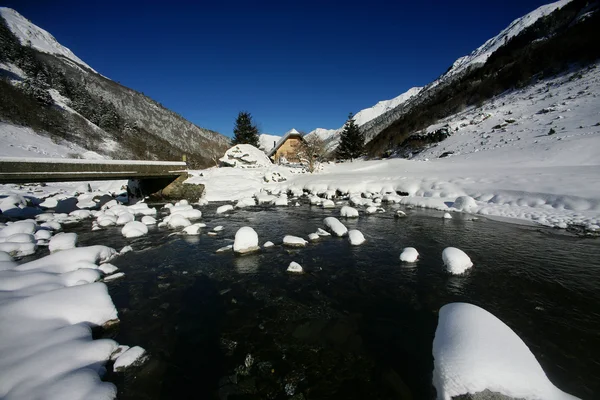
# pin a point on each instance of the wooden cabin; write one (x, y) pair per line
(287, 148)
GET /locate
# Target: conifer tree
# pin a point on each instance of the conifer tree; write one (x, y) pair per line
(351, 141)
(245, 131)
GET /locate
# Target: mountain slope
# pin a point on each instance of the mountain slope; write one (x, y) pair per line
(540, 44)
(332, 136)
(46, 87)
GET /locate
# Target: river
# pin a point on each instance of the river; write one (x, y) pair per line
(358, 324)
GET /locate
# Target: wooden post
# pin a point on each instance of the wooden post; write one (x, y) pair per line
(184, 158)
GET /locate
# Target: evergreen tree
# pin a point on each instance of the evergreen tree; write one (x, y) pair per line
(245, 131)
(352, 141)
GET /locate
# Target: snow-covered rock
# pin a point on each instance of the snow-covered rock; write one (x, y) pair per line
(224, 208)
(294, 267)
(148, 220)
(474, 351)
(356, 237)
(447, 216)
(193, 229)
(456, 260)
(268, 244)
(313, 237)
(125, 218)
(62, 241)
(326, 203)
(246, 240)
(322, 232)
(400, 214)
(131, 357)
(245, 156)
(177, 221)
(465, 203)
(134, 229)
(294, 241)
(349, 212)
(335, 226)
(245, 202)
(409, 255)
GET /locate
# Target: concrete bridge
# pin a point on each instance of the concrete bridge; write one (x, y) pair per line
(160, 179)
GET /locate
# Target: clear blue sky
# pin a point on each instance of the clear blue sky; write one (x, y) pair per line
(292, 64)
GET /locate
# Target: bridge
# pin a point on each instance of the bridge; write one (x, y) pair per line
(159, 179)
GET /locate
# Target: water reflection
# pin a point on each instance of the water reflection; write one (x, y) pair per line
(247, 264)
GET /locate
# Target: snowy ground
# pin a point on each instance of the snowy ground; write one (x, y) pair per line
(502, 156)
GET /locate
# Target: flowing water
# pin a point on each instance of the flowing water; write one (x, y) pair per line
(358, 324)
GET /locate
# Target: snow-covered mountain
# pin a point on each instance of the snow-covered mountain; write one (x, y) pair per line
(52, 91)
(41, 40)
(331, 136)
(483, 52)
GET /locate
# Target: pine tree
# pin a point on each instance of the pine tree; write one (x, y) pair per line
(245, 131)
(351, 141)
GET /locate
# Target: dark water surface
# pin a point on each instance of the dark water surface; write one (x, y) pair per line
(358, 324)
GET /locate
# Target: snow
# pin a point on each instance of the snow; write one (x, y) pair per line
(245, 156)
(313, 237)
(447, 216)
(474, 351)
(349, 212)
(294, 267)
(134, 229)
(267, 142)
(131, 357)
(465, 203)
(294, 241)
(62, 241)
(246, 240)
(456, 260)
(409, 255)
(40, 39)
(335, 226)
(355, 237)
(322, 232)
(268, 244)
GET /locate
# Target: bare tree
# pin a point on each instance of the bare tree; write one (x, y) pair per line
(312, 151)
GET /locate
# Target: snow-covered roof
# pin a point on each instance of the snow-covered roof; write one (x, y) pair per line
(288, 134)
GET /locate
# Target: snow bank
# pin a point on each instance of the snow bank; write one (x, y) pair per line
(245, 156)
(355, 237)
(409, 255)
(474, 351)
(456, 260)
(246, 240)
(47, 310)
(335, 226)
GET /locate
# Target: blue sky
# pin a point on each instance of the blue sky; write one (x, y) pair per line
(300, 64)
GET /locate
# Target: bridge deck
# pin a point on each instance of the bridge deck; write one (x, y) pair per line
(26, 170)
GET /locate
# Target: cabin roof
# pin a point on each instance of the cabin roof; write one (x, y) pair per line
(289, 134)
